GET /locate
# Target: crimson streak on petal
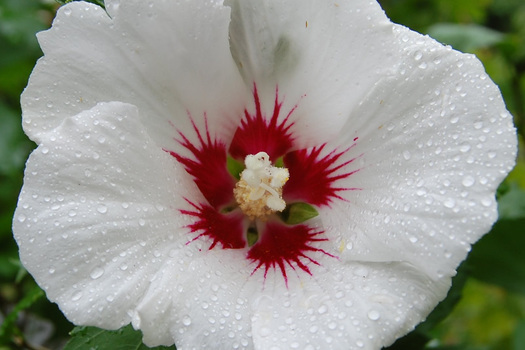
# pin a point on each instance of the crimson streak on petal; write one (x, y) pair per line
(282, 245)
(226, 229)
(208, 168)
(256, 133)
(312, 177)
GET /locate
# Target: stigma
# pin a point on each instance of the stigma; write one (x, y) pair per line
(259, 190)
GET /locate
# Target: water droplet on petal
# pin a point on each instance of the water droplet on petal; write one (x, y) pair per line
(374, 315)
(468, 181)
(264, 332)
(186, 320)
(102, 209)
(76, 296)
(449, 203)
(96, 272)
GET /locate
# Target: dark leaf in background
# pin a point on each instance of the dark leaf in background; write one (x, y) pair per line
(96, 2)
(8, 325)
(499, 257)
(88, 338)
(465, 37)
(519, 336)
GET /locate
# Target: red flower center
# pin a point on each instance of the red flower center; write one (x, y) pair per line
(271, 241)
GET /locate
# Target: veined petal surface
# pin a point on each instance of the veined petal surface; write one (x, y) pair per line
(98, 214)
(168, 58)
(431, 157)
(324, 56)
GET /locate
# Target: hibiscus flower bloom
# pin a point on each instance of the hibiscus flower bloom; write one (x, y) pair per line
(254, 174)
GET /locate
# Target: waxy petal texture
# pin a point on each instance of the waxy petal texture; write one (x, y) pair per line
(433, 155)
(161, 58)
(325, 56)
(95, 235)
(127, 213)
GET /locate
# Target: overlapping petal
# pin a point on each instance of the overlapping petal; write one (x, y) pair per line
(324, 56)
(436, 141)
(98, 214)
(350, 305)
(168, 58)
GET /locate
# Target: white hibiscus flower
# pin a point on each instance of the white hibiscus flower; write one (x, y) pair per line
(134, 207)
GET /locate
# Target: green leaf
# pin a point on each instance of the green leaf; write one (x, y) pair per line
(519, 336)
(511, 205)
(234, 167)
(465, 37)
(413, 341)
(8, 326)
(96, 2)
(297, 213)
(498, 257)
(88, 338)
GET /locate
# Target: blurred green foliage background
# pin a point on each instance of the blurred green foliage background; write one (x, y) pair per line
(485, 309)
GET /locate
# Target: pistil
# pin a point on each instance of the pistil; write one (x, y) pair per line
(259, 190)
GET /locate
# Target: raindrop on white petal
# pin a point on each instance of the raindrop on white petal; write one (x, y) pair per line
(449, 203)
(22, 218)
(468, 181)
(406, 155)
(97, 272)
(464, 147)
(314, 329)
(361, 271)
(264, 332)
(186, 320)
(102, 209)
(374, 315)
(76, 296)
(67, 11)
(142, 222)
(322, 309)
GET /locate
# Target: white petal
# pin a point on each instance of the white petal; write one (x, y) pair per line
(98, 214)
(200, 298)
(347, 306)
(435, 141)
(324, 56)
(169, 58)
